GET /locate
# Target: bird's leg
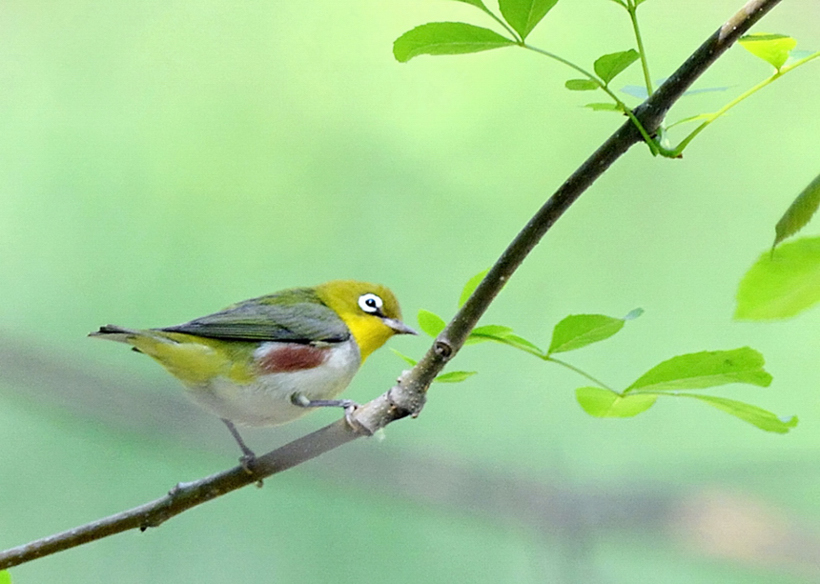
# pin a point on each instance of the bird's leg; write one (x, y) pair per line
(349, 405)
(248, 455)
(300, 400)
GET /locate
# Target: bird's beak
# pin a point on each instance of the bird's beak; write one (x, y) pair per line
(398, 326)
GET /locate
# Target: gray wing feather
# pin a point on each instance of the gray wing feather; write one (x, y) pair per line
(301, 322)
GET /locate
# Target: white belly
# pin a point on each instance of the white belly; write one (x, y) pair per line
(267, 401)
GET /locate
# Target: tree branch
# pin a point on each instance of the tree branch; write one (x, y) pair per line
(408, 396)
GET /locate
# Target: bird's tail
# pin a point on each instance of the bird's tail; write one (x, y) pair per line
(141, 341)
(195, 363)
(113, 332)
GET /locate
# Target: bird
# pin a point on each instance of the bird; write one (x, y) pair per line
(268, 360)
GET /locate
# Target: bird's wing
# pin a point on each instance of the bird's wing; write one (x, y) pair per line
(296, 316)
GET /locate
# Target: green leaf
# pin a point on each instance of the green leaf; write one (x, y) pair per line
(763, 419)
(446, 38)
(454, 376)
(705, 369)
(581, 84)
(801, 55)
(772, 48)
(799, 212)
(430, 322)
(522, 343)
(470, 286)
(604, 107)
(487, 332)
(638, 91)
(717, 88)
(5, 577)
(604, 403)
(492, 330)
(409, 360)
(580, 330)
(524, 15)
(781, 284)
(504, 335)
(609, 66)
(633, 314)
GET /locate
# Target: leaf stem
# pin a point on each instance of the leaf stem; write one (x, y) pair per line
(529, 350)
(777, 75)
(581, 372)
(632, 8)
(566, 62)
(518, 39)
(653, 145)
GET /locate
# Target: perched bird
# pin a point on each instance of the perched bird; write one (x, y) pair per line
(266, 360)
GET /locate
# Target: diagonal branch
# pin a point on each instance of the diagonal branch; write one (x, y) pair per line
(650, 114)
(408, 396)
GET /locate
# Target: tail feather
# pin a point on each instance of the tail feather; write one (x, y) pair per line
(115, 333)
(113, 329)
(133, 337)
(192, 362)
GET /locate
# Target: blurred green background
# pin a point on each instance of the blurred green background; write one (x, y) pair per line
(160, 160)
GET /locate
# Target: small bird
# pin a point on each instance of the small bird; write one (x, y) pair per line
(265, 361)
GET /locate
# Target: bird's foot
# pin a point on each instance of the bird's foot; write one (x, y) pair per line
(349, 406)
(302, 401)
(246, 462)
(248, 456)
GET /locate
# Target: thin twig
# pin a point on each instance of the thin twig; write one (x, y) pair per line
(408, 396)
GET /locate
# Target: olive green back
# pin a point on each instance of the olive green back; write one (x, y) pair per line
(297, 315)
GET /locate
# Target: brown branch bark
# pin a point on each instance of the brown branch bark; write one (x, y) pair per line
(408, 395)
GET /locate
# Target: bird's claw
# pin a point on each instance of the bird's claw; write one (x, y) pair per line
(350, 411)
(349, 406)
(299, 399)
(246, 462)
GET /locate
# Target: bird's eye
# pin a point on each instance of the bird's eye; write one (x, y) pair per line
(370, 303)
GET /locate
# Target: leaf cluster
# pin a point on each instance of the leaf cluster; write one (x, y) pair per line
(520, 17)
(678, 376)
(784, 282)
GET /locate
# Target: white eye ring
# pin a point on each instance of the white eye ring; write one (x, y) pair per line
(370, 303)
